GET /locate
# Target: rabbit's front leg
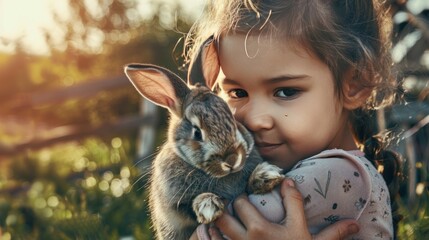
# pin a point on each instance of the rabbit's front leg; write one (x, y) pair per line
(208, 207)
(264, 178)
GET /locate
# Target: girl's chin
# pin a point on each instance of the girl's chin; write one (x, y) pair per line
(278, 158)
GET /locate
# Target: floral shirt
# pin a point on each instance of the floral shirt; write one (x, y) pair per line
(335, 185)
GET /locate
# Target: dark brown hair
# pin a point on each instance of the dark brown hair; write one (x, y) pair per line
(345, 34)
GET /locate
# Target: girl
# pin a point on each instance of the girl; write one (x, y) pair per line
(304, 77)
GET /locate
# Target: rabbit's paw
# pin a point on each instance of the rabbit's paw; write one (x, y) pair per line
(208, 207)
(264, 178)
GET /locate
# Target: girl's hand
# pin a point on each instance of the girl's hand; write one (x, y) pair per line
(254, 226)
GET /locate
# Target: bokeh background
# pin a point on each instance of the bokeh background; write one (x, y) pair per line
(76, 139)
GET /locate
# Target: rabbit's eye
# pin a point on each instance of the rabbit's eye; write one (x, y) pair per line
(196, 132)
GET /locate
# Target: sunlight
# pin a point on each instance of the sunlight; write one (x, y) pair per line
(26, 23)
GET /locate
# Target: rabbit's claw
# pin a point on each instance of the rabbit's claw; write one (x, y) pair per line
(264, 178)
(208, 207)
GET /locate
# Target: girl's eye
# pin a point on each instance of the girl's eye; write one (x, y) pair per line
(237, 93)
(287, 93)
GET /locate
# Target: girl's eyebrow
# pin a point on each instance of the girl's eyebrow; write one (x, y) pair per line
(272, 80)
(228, 81)
(286, 77)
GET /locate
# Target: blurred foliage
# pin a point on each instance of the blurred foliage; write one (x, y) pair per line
(415, 213)
(78, 191)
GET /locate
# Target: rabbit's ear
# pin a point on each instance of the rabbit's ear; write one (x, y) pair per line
(159, 85)
(204, 68)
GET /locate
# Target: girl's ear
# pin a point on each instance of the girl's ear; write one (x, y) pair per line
(159, 85)
(205, 67)
(355, 94)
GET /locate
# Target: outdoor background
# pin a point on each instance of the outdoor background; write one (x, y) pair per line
(76, 139)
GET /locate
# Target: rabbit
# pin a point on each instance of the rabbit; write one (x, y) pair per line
(208, 156)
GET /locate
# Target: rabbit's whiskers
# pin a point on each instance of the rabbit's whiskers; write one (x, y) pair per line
(148, 157)
(145, 173)
(184, 192)
(189, 174)
(143, 176)
(182, 186)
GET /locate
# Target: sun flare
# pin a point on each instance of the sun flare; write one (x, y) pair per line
(24, 20)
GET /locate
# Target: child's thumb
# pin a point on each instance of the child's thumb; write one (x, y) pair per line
(293, 204)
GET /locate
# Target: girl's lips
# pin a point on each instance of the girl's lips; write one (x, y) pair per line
(266, 148)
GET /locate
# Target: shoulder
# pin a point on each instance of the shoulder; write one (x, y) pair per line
(335, 165)
(335, 184)
(344, 163)
(338, 184)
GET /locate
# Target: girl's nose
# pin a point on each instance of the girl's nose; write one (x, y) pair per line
(255, 116)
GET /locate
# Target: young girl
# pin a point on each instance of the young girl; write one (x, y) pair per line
(304, 77)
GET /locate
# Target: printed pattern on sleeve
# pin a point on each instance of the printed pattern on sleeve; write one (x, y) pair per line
(336, 185)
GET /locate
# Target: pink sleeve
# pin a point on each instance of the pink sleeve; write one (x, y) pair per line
(334, 185)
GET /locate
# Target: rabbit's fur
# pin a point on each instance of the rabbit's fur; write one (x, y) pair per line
(208, 156)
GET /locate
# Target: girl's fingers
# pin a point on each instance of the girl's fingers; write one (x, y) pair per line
(194, 236)
(339, 230)
(230, 226)
(247, 213)
(215, 234)
(293, 203)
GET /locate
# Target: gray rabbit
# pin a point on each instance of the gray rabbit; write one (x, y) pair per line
(207, 157)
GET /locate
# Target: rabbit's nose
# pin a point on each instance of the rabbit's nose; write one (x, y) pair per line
(233, 162)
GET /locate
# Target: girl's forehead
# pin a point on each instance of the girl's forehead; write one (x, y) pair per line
(255, 44)
(244, 56)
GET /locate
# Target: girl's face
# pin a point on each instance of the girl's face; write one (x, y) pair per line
(285, 96)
